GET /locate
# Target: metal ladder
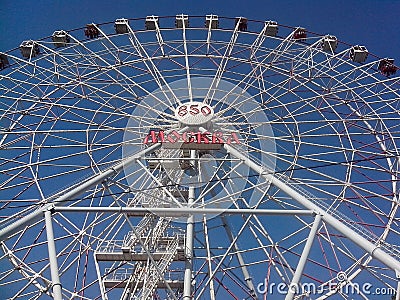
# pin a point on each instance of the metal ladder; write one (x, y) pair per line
(155, 227)
(152, 276)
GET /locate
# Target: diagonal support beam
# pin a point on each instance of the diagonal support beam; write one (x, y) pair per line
(374, 250)
(243, 267)
(293, 287)
(75, 192)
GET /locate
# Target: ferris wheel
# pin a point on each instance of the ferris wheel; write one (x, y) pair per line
(198, 158)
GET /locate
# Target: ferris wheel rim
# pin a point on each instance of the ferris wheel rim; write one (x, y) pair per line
(299, 141)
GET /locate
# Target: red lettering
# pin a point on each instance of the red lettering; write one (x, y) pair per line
(152, 137)
(205, 110)
(182, 111)
(194, 109)
(233, 138)
(217, 137)
(203, 138)
(174, 136)
(188, 137)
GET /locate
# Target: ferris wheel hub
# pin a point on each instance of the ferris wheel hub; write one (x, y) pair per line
(194, 114)
(225, 129)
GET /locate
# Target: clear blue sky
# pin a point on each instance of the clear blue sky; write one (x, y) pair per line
(373, 23)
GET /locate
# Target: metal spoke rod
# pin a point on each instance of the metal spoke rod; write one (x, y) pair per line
(80, 189)
(374, 250)
(294, 285)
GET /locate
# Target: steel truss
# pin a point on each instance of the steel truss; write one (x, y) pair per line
(273, 160)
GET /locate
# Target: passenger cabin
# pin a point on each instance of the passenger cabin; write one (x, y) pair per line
(329, 43)
(299, 34)
(29, 49)
(181, 20)
(212, 22)
(3, 61)
(241, 23)
(121, 26)
(151, 22)
(272, 28)
(358, 54)
(386, 67)
(60, 38)
(91, 31)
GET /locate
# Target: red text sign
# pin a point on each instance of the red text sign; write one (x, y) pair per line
(174, 137)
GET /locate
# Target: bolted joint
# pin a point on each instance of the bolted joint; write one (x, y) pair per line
(50, 208)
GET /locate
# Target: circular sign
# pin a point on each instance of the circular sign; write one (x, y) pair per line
(194, 113)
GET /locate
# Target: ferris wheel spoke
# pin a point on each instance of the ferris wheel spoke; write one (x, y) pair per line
(222, 65)
(222, 259)
(187, 66)
(157, 75)
(120, 73)
(249, 82)
(112, 110)
(273, 61)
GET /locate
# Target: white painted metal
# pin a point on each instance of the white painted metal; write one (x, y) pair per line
(294, 284)
(67, 111)
(188, 276)
(71, 194)
(374, 250)
(55, 278)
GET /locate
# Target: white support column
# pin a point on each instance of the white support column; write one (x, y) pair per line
(294, 285)
(187, 284)
(187, 281)
(55, 278)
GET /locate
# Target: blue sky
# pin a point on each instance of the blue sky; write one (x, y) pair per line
(373, 23)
